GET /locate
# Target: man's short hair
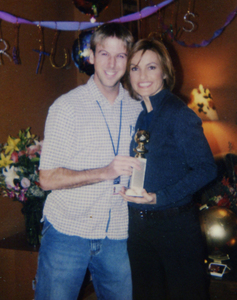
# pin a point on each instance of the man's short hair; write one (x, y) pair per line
(111, 30)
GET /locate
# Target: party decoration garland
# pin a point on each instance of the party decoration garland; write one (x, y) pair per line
(4, 44)
(71, 26)
(187, 21)
(41, 51)
(204, 43)
(15, 50)
(145, 12)
(186, 16)
(53, 50)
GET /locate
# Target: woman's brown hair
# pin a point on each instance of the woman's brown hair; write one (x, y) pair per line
(163, 56)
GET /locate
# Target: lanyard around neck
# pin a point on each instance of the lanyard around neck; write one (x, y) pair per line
(120, 125)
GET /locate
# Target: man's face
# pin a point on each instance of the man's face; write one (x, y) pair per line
(109, 61)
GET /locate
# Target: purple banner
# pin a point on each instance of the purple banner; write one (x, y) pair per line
(145, 12)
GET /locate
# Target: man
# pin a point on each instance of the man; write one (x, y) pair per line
(84, 162)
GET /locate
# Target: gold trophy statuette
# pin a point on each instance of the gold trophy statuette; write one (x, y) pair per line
(137, 179)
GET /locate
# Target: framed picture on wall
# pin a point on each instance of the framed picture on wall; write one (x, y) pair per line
(129, 7)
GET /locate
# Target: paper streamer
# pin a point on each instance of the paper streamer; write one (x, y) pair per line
(204, 43)
(70, 26)
(147, 11)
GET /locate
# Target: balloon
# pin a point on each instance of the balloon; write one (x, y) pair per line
(219, 226)
(91, 7)
(81, 52)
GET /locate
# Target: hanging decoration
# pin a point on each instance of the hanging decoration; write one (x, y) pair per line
(186, 19)
(53, 50)
(81, 53)
(204, 43)
(41, 51)
(190, 24)
(3, 50)
(15, 50)
(158, 34)
(91, 7)
(3, 47)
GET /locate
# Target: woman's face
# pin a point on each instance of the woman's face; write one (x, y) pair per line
(146, 75)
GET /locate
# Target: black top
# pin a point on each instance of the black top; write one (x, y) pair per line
(179, 159)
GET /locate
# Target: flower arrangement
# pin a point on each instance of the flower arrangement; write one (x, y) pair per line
(227, 196)
(226, 190)
(19, 178)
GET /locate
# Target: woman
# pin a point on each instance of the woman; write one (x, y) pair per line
(165, 242)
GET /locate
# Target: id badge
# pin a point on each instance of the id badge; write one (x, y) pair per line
(116, 186)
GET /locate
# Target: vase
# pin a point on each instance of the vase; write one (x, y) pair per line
(33, 228)
(32, 212)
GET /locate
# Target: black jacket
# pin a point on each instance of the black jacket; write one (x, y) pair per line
(179, 159)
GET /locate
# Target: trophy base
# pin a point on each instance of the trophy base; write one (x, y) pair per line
(137, 180)
(135, 192)
(219, 257)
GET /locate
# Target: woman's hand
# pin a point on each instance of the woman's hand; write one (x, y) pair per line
(148, 198)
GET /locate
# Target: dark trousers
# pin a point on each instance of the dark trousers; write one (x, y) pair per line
(167, 257)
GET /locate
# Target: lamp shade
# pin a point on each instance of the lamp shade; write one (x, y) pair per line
(202, 104)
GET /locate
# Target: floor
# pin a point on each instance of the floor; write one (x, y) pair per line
(219, 290)
(91, 297)
(87, 292)
(223, 290)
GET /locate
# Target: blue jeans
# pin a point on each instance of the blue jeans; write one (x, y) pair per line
(63, 261)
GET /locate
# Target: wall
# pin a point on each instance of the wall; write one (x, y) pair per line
(214, 66)
(25, 95)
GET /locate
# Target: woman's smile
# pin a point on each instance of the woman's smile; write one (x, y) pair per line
(146, 75)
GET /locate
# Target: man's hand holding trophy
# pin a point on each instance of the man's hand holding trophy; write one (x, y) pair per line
(137, 180)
